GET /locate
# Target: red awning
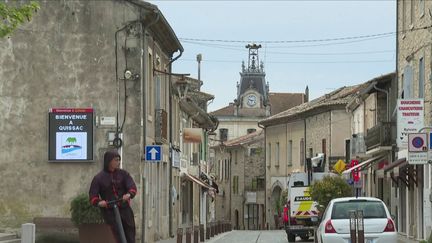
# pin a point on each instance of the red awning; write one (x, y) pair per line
(400, 162)
(362, 164)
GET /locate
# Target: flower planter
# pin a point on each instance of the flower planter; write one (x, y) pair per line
(95, 233)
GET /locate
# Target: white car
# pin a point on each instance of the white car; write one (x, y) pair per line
(379, 227)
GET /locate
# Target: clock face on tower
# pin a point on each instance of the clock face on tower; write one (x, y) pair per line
(251, 100)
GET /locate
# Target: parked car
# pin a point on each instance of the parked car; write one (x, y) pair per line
(379, 227)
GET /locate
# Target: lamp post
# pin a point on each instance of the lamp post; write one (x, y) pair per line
(199, 58)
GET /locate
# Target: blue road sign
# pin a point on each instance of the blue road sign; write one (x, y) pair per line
(153, 153)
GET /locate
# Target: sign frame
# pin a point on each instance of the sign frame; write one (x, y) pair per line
(157, 152)
(418, 148)
(77, 126)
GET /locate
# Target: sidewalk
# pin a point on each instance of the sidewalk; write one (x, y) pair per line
(404, 239)
(211, 240)
(401, 239)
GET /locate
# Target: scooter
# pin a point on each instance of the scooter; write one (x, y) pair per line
(120, 230)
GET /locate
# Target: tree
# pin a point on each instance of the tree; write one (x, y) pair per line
(328, 188)
(11, 17)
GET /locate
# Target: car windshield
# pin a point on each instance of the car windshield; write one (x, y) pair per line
(371, 209)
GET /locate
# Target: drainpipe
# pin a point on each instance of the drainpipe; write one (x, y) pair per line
(143, 81)
(330, 142)
(170, 184)
(265, 174)
(387, 100)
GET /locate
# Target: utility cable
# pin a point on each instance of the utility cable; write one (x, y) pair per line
(305, 40)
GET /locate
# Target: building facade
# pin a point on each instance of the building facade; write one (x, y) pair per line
(111, 59)
(319, 126)
(414, 52)
(244, 194)
(253, 103)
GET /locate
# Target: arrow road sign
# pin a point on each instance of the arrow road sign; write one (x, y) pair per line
(153, 153)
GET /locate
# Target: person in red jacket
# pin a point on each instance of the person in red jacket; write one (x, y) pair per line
(113, 183)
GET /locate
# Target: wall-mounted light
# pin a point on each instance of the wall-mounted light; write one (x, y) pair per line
(129, 75)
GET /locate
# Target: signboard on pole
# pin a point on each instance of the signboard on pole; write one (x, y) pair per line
(410, 118)
(153, 153)
(417, 148)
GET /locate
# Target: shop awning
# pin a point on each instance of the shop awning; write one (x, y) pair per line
(195, 179)
(400, 162)
(363, 164)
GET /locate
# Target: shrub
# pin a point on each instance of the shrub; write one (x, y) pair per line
(328, 188)
(82, 212)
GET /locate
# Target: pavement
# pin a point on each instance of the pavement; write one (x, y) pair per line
(404, 239)
(211, 240)
(217, 238)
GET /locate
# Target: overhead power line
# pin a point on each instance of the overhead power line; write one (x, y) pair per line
(288, 41)
(305, 40)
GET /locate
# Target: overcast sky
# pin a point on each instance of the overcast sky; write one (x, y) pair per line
(294, 35)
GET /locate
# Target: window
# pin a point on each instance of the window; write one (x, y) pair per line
(412, 12)
(403, 15)
(223, 134)
(254, 184)
(251, 130)
(421, 7)
(235, 156)
(289, 155)
(421, 78)
(407, 82)
(269, 155)
(323, 145)
(255, 151)
(277, 154)
(235, 184)
(302, 152)
(260, 184)
(371, 209)
(150, 90)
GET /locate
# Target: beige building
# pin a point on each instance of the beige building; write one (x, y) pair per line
(244, 194)
(110, 61)
(319, 126)
(192, 190)
(254, 102)
(373, 135)
(414, 74)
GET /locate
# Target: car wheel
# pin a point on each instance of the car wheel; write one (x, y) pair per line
(304, 237)
(291, 237)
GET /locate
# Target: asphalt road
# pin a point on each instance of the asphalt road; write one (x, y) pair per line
(266, 236)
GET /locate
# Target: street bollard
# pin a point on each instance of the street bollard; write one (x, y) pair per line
(179, 235)
(189, 235)
(208, 231)
(28, 233)
(353, 226)
(196, 234)
(360, 227)
(201, 229)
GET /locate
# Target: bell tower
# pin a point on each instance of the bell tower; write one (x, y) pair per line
(252, 90)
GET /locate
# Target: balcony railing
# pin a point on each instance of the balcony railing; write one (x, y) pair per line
(379, 135)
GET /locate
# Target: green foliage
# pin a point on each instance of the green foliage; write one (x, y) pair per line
(82, 212)
(11, 17)
(328, 188)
